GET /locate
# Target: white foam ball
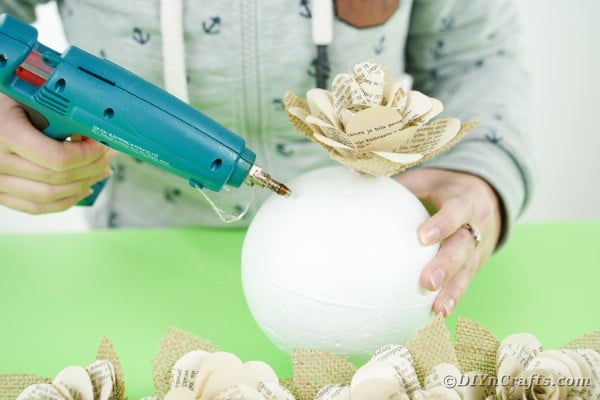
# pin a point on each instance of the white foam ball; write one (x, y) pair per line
(336, 266)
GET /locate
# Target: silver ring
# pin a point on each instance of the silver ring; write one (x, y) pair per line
(474, 232)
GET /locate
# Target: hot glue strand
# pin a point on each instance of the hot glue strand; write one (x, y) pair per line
(223, 215)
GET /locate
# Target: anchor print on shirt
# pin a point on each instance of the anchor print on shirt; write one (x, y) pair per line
(278, 104)
(493, 137)
(171, 194)
(113, 219)
(287, 149)
(438, 51)
(447, 24)
(283, 150)
(118, 172)
(379, 47)
(305, 9)
(212, 26)
(140, 36)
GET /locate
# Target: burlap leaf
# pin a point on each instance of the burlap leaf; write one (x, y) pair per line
(288, 383)
(430, 346)
(173, 345)
(291, 100)
(314, 369)
(587, 341)
(106, 351)
(475, 347)
(11, 385)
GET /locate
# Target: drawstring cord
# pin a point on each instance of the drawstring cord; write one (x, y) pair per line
(175, 79)
(322, 34)
(173, 48)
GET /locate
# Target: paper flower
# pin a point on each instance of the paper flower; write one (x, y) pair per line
(373, 123)
(391, 374)
(100, 380)
(202, 375)
(527, 371)
(96, 382)
(428, 368)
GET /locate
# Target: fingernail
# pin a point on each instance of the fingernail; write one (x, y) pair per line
(430, 235)
(448, 306)
(437, 278)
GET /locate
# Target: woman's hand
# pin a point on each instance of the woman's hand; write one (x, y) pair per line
(459, 198)
(39, 174)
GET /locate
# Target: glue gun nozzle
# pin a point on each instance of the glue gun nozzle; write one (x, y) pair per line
(282, 190)
(260, 178)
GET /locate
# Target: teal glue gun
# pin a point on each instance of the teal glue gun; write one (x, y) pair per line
(78, 93)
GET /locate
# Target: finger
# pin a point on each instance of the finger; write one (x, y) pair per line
(453, 254)
(13, 164)
(455, 288)
(41, 192)
(66, 155)
(452, 209)
(453, 212)
(34, 208)
(20, 137)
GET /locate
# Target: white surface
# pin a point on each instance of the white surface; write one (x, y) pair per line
(560, 43)
(561, 47)
(304, 256)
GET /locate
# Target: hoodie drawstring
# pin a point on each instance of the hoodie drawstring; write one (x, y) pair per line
(173, 48)
(322, 34)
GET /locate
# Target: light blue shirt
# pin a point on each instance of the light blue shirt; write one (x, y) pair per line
(242, 56)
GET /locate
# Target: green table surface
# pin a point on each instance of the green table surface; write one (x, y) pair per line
(60, 293)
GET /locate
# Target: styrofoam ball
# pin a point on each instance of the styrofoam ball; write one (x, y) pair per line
(336, 266)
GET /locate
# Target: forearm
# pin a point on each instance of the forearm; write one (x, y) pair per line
(478, 74)
(22, 9)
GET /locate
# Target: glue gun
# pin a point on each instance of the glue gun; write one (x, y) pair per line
(79, 93)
